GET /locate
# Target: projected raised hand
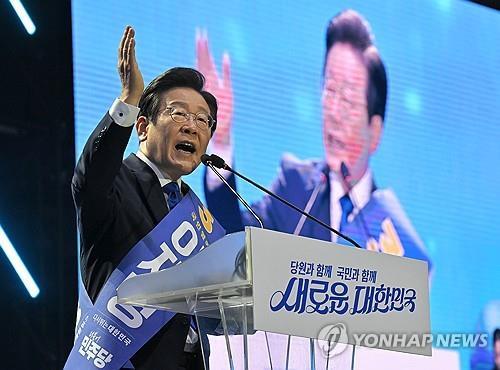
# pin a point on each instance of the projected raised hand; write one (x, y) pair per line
(220, 87)
(130, 75)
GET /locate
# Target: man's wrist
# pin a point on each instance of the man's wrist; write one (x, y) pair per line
(130, 99)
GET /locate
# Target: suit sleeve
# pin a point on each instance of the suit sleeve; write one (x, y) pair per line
(93, 180)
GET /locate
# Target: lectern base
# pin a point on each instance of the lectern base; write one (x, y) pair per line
(234, 344)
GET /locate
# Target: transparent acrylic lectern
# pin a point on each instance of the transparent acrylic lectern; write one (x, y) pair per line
(234, 288)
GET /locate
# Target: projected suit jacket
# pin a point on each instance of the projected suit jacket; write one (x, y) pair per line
(118, 202)
(381, 225)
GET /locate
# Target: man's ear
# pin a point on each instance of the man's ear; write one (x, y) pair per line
(376, 128)
(141, 127)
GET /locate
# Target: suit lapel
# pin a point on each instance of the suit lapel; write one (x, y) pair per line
(184, 188)
(149, 187)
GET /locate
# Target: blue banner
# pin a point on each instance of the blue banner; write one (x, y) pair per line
(107, 333)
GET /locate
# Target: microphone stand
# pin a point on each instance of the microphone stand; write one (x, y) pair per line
(208, 162)
(247, 206)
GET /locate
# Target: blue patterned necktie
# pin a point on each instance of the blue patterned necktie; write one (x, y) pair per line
(347, 207)
(174, 195)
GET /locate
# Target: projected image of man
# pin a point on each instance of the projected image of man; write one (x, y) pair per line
(340, 189)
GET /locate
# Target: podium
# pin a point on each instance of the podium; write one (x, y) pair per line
(259, 292)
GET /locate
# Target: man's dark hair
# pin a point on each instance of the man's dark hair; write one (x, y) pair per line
(351, 28)
(150, 102)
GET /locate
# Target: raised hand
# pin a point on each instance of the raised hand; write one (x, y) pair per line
(130, 75)
(221, 88)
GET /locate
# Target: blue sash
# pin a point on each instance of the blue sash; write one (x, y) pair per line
(108, 334)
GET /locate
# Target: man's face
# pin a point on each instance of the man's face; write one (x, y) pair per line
(175, 147)
(347, 134)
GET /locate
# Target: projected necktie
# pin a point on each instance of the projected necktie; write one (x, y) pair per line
(173, 194)
(347, 207)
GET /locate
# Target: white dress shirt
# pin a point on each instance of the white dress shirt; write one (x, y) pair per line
(123, 114)
(163, 180)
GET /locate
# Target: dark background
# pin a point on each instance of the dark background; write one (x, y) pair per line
(36, 164)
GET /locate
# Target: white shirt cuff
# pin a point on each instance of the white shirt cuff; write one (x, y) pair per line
(226, 153)
(123, 114)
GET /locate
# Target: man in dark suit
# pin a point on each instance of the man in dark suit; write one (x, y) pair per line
(339, 190)
(120, 201)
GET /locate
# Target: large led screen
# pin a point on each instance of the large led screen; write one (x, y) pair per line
(434, 148)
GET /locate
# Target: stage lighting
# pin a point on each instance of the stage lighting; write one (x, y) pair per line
(23, 16)
(18, 264)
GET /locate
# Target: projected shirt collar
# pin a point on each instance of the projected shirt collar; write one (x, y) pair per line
(360, 195)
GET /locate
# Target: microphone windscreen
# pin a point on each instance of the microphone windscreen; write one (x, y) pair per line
(217, 161)
(205, 158)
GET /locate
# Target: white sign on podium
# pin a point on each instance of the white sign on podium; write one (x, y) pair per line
(302, 285)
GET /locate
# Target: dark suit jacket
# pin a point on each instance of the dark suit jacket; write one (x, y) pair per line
(119, 202)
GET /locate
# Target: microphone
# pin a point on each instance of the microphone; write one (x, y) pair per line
(344, 171)
(212, 162)
(215, 160)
